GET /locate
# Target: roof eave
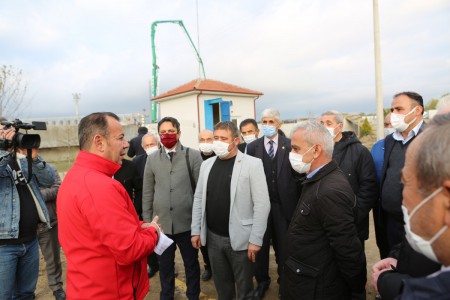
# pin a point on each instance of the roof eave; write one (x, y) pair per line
(194, 92)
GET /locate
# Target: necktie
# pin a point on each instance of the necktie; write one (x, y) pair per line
(170, 156)
(271, 154)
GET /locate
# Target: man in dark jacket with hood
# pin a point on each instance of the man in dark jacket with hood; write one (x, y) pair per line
(357, 164)
(325, 259)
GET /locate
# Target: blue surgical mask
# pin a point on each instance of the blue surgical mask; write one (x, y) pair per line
(269, 130)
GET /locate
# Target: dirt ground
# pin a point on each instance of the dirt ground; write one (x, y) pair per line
(43, 292)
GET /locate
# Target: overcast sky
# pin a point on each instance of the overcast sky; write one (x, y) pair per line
(306, 56)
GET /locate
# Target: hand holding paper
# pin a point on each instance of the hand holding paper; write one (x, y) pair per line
(163, 243)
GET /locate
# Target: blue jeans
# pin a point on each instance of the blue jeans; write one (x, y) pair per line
(19, 268)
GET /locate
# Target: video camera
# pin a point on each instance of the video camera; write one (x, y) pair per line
(20, 140)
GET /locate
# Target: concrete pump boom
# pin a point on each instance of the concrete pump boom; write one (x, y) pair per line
(155, 65)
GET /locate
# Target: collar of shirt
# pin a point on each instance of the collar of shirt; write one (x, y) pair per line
(275, 140)
(267, 144)
(168, 151)
(398, 135)
(314, 172)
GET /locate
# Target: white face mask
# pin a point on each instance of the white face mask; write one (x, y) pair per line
(249, 138)
(151, 150)
(398, 120)
(205, 147)
(418, 243)
(297, 162)
(220, 149)
(331, 131)
(388, 131)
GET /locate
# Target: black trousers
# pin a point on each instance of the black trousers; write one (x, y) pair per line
(152, 260)
(191, 266)
(205, 255)
(277, 227)
(380, 231)
(395, 230)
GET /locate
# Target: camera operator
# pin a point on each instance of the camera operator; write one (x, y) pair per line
(48, 180)
(22, 208)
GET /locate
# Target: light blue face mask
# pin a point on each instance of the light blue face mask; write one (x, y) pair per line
(269, 130)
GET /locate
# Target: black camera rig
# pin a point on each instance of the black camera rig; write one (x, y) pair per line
(20, 140)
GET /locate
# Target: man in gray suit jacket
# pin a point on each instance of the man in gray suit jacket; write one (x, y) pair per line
(170, 177)
(230, 211)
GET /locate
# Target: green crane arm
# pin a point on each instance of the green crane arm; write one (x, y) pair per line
(155, 65)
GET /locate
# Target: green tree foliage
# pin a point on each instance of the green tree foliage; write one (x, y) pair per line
(366, 129)
(431, 104)
(12, 91)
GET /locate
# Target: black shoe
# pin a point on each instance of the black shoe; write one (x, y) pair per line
(206, 275)
(59, 294)
(260, 290)
(152, 271)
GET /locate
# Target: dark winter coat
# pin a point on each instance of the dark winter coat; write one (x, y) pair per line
(131, 180)
(435, 287)
(357, 164)
(410, 264)
(136, 143)
(325, 257)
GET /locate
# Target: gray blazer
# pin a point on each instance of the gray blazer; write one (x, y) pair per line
(249, 207)
(167, 190)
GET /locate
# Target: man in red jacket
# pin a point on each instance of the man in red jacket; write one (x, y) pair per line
(106, 245)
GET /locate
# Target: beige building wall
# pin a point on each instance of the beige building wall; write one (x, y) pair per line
(184, 109)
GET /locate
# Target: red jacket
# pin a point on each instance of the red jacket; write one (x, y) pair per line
(100, 233)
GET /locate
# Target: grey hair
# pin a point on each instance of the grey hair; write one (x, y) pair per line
(271, 113)
(338, 115)
(443, 104)
(316, 133)
(433, 157)
(150, 134)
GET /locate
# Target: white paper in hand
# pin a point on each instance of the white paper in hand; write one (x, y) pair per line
(163, 243)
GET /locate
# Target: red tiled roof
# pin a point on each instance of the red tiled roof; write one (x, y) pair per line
(207, 85)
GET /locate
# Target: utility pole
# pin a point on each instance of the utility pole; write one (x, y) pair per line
(378, 81)
(76, 98)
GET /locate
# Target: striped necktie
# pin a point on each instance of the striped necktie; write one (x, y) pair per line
(271, 154)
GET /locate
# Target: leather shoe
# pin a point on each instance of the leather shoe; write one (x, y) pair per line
(59, 294)
(206, 275)
(152, 271)
(259, 292)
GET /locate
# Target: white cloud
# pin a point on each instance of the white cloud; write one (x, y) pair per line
(295, 52)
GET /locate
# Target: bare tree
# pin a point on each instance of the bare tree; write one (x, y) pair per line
(12, 91)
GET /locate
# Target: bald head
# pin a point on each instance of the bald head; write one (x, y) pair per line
(206, 136)
(426, 191)
(431, 156)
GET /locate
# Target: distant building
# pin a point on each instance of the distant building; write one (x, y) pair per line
(201, 103)
(125, 119)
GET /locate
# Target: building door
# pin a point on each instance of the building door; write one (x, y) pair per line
(216, 110)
